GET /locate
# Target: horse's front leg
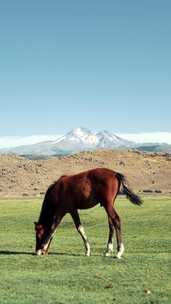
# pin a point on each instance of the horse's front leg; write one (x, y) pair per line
(46, 247)
(56, 222)
(81, 231)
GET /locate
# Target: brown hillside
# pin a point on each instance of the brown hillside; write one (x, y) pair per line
(23, 177)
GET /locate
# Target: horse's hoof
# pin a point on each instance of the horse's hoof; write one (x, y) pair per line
(108, 253)
(87, 254)
(117, 256)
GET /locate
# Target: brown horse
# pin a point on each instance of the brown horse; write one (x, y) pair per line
(82, 191)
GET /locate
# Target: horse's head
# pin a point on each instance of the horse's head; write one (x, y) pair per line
(43, 239)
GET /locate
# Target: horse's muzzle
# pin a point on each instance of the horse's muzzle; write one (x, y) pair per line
(41, 252)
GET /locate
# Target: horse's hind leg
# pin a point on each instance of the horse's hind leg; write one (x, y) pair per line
(117, 225)
(81, 231)
(109, 250)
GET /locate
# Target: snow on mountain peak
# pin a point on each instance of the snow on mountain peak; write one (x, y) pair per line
(82, 136)
(85, 138)
(109, 140)
(79, 139)
(80, 131)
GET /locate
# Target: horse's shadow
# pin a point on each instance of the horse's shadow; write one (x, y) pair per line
(11, 252)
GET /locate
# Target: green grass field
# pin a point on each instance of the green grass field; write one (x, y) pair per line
(143, 275)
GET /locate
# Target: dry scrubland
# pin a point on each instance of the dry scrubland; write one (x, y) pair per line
(23, 177)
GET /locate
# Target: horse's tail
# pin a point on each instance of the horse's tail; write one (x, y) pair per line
(134, 198)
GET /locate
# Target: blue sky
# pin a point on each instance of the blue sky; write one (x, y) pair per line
(98, 64)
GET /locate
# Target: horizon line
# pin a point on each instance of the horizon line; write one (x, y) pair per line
(160, 137)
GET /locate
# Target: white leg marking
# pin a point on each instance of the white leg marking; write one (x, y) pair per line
(82, 232)
(110, 246)
(109, 250)
(88, 250)
(121, 251)
(46, 246)
(86, 243)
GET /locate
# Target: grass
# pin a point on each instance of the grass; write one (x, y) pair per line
(143, 275)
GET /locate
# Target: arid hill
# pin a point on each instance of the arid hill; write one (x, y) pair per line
(145, 172)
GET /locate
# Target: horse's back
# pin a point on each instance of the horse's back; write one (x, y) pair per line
(86, 189)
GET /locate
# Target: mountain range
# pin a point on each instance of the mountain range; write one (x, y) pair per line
(82, 139)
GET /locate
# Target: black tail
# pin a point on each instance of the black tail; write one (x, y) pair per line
(134, 198)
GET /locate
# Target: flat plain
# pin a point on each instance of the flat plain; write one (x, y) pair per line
(143, 275)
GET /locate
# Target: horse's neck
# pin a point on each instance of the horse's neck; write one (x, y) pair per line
(45, 211)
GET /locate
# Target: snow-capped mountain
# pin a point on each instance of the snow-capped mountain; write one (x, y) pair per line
(76, 140)
(83, 137)
(80, 139)
(110, 140)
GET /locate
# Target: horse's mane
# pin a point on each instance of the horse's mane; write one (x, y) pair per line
(50, 188)
(47, 206)
(46, 203)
